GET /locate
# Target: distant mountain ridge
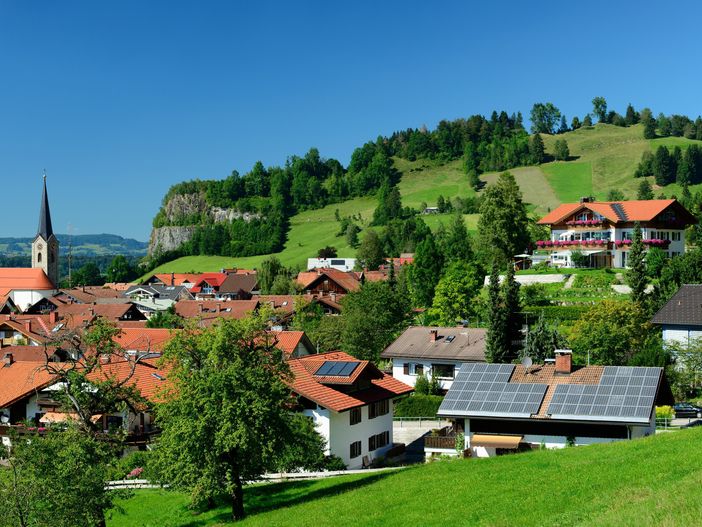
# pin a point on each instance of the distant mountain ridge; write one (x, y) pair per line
(82, 245)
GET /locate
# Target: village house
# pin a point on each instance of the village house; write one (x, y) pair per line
(327, 281)
(435, 352)
(680, 318)
(351, 403)
(503, 408)
(151, 299)
(173, 279)
(239, 286)
(340, 264)
(207, 312)
(602, 231)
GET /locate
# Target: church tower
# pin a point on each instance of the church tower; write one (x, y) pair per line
(45, 248)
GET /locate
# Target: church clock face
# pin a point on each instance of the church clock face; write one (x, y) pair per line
(40, 246)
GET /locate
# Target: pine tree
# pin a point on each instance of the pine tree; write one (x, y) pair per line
(636, 274)
(425, 272)
(457, 244)
(537, 149)
(496, 348)
(563, 128)
(542, 340)
(510, 292)
(575, 123)
(587, 120)
(663, 166)
(632, 117)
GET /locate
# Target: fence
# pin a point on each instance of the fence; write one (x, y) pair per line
(420, 421)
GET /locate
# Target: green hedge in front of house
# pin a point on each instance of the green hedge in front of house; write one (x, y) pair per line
(418, 405)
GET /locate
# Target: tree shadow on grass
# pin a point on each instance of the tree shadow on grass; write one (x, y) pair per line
(267, 497)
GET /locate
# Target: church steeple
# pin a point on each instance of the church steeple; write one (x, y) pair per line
(45, 248)
(45, 230)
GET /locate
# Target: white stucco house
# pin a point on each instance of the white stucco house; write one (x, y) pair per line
(340, 264)
(603, 230)
(504, 408)
(350, 402)
(434, 352)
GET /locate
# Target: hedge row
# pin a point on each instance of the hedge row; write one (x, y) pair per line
(557, 313)
(417, 405)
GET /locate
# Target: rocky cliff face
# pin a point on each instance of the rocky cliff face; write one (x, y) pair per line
(169, 238)
(183, 213)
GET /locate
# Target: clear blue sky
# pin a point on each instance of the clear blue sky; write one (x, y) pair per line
(119, 100)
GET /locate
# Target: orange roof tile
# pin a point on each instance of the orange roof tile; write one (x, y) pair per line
(144, 339)
(23, 278)
(312, 387)
(617, 211)
(147, 378)
(21, 379)
(178, 278)
(347, 280)
(210, 310)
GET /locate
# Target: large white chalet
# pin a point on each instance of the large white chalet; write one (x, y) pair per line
(603, 230)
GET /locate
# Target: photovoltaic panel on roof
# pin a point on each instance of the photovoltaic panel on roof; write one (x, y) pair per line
(623, 394)
(332, 368)
(484, 390)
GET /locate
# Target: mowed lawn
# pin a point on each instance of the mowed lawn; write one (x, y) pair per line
(535, 187)
(647, 482)
(569, 181)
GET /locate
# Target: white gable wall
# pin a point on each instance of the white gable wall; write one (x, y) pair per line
(336, 429)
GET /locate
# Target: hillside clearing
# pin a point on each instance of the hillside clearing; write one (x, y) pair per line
(646, 482)
(534, 185)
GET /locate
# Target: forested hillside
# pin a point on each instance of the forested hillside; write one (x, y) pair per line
(312, 202)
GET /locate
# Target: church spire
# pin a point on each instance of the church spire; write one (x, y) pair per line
(45, 230)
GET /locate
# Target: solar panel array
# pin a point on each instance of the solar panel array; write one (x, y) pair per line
(333, 368)
(485, 390)
(625, 393)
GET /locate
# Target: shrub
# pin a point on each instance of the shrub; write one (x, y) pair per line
(421, 385)
(664, 412)
(418, 405)
(333, 463)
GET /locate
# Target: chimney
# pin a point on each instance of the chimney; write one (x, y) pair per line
(219, 307)
(53, 317)
(564, 361)
(28, 326)
(172, 279)
(199, 307)
(8, 359)
(433, 334)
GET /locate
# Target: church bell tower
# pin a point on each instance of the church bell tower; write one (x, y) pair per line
(45, 248)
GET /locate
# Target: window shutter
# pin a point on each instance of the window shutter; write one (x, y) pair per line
(405, 368)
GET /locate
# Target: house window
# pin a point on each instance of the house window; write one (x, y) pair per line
(664, 235)
(443, 371)
(378, 441)
(378, 409)
(412, 368)
(355, 449)
(626, 235)
(675, 236)
(355, 416)
(39, 257)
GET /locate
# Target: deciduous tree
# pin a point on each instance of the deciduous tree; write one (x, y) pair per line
(453, 300)
(599, 108)
(226, 418)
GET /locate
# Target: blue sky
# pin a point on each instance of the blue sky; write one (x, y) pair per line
(119, 100)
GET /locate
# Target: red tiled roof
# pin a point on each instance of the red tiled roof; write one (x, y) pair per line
(178, 278)
(287, 341)
(21, 379)
(147, 378)
(210, 310)
(307, 385)
(111, 312)
(29, 353)
(144, 339)
(617, 211)
(213, 279)
(24, 279)
(346, 280)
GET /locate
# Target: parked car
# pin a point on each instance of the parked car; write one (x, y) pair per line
(687, 410)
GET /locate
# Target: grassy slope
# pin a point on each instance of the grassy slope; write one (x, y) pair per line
(604, 157)
(652, 481)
